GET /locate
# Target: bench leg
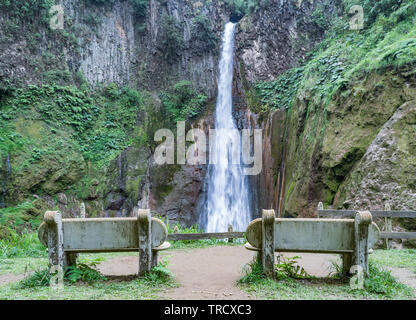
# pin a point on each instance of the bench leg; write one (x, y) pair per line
(259, 256)
(155, 258)
(268, 222)
(53, 220)
(361, 225)
(347, 262)
(144, 221)
(70, 259)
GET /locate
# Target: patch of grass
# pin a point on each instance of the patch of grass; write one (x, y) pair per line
(404, 258)
(22, 265)
(253, 272)
(88, 284)
(19, 245)
(381, 281)
(138, 289)
(159, 275)
(379, 285)
(39, 278)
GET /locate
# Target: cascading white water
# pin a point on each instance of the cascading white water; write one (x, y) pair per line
(227, 194)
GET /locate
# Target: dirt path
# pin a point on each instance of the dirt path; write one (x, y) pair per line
(404, 276)
(210, 273)
(7, 278)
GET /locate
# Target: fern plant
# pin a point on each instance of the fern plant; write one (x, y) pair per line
(84, 272)
(287, 267)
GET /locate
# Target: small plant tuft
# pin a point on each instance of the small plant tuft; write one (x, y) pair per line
(380, 281)
(84, 272)
(287, 267)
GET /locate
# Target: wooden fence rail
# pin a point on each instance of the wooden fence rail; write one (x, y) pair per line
(387, 214)
(199, 236)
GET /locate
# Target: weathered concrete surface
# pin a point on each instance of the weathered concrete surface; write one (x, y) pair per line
(100, 234)
(268, 242)
(311, 235)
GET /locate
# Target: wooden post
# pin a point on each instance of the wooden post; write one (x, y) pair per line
(230, 229)
(53, 220)
(320, 207)
(388, 225)
(268, 223)
(144, 222)
(362, 223)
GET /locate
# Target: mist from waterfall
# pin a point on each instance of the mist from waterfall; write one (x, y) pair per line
(227, 199)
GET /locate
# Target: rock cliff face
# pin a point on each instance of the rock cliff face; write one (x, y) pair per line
(103, 43)
(279, 36)
(356, 152)
(354, 163)
(111, 42)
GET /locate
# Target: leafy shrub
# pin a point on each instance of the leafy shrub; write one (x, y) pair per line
(183, 103)
(171, 37)
(9, 139)
(26, 10)
(243, 7)
(280, 93)
(202, 35)
(84, 272)
(101, 122)
(139, 7)
(93, 20)
(101, 2)
(287, 267)
(375, 8)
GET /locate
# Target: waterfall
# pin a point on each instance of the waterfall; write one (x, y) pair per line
(227, 199)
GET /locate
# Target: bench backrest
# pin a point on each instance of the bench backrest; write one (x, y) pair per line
(105, 234)
(311, 235)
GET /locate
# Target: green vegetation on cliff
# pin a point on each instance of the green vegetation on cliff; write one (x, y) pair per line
(50, 135)
(388, 40)
(171, 37)
(98, 123)
(339, 99)
(183, 102)
(27, 9)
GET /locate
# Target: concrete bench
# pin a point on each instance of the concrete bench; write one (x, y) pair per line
(65, 238)
(352, 238)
